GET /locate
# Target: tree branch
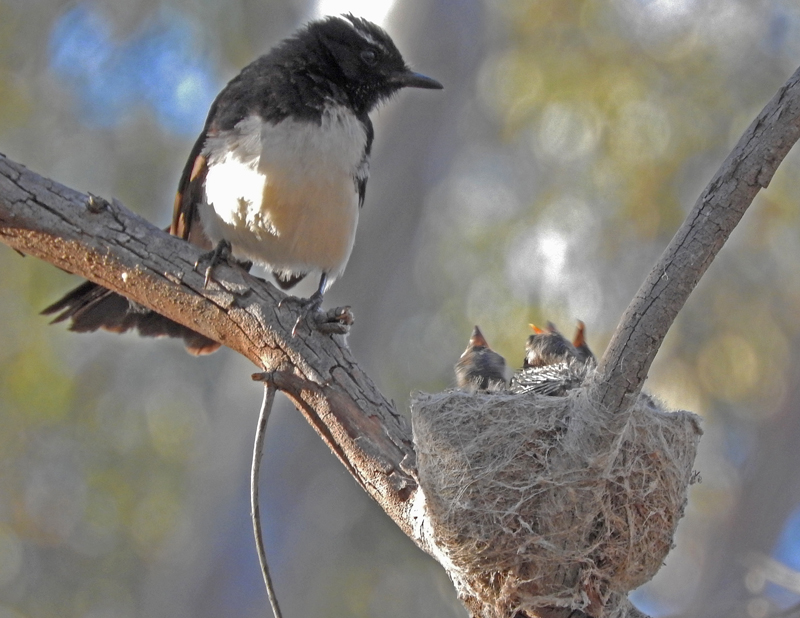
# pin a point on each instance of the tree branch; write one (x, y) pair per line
(123, 252)
(749, 168)
(107, 244)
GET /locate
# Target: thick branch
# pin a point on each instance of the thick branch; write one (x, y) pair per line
(747, 170)
(114, 247)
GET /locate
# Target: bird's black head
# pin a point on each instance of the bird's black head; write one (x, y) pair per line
(361, 59)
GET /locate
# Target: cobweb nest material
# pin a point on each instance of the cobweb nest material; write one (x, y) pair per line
(531, 501)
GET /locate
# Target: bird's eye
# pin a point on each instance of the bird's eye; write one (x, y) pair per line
(369, 56)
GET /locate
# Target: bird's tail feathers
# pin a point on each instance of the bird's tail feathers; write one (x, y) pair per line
(91, 307)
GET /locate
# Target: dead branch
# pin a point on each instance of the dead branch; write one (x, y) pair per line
(748, 168)
(121, 251)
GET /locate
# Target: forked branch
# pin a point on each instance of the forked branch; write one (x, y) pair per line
(121, 251)
(748, 168)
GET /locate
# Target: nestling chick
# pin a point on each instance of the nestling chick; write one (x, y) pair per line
(480, 367)
(547, 347)
(553, 366)
(582, 352)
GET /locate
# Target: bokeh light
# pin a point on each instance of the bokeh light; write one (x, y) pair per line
(159, 66)
(570, 140)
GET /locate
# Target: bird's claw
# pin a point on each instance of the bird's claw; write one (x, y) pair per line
(334, 321)
(220, 253)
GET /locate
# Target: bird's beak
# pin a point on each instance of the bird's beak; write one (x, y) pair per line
(409, 79)
(580, 336)
(477, 338)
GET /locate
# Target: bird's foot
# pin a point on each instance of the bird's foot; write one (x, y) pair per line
(334, 321)
(219, 254)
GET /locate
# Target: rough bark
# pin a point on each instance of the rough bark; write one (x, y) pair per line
(116, 248)
(749, 168)
(121, 251)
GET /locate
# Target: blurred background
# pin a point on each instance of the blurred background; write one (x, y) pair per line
(571, 139)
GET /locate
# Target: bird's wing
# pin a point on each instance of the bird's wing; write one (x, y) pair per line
(190, 193)
(362, 174)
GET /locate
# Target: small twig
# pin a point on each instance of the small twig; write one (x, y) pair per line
(258, 449)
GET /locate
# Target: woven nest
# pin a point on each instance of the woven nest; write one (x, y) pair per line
(531, 504)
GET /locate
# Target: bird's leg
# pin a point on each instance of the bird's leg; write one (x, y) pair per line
(311, 304)
(315, 300)
(221, 253)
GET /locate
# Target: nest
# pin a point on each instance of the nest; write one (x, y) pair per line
(531, 501)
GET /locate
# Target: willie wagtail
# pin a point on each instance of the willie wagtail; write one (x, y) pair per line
(280, 170)
(546, 347)
(553, 366)
(583, 352)
(480, 367)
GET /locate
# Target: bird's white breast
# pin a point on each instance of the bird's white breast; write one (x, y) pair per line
(284, 194)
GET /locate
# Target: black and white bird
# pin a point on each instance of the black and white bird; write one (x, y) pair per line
(279, 173)
(480, 367)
